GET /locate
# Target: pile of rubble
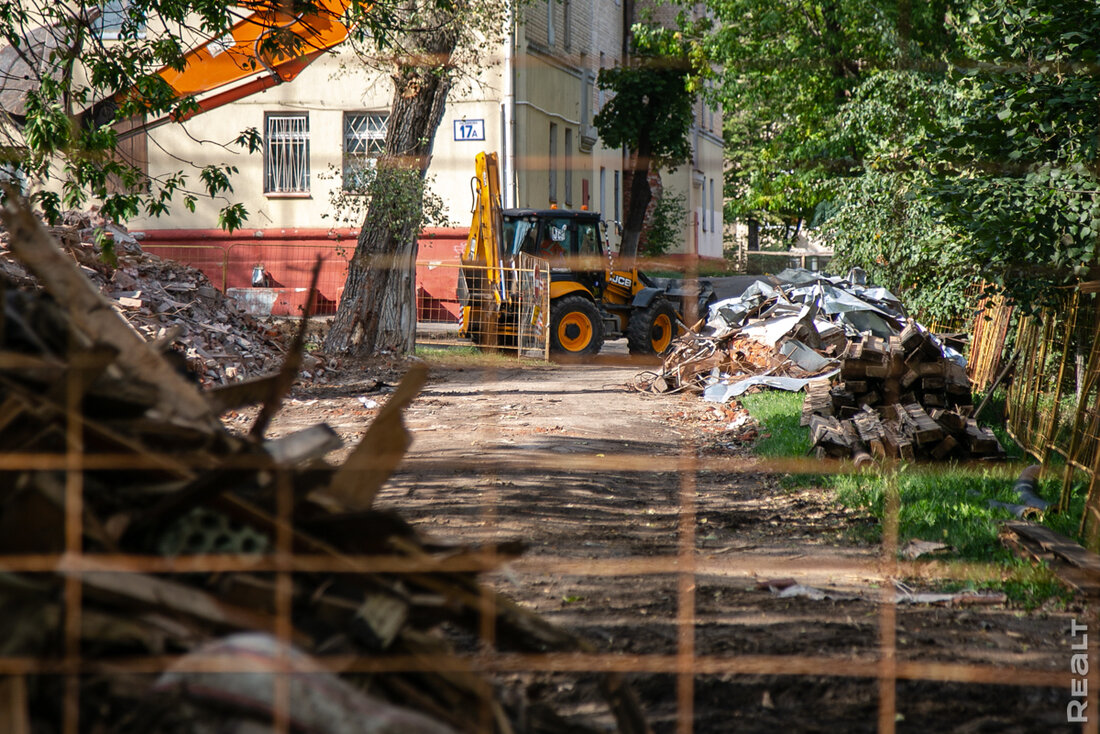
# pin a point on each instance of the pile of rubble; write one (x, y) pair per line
(166, 301)
(897, 398)
(779, 335)
(177, 568)
(901, 393)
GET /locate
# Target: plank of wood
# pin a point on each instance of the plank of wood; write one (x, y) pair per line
(14, 713)
(1058, 544)
(378, 454)
(1043, 544)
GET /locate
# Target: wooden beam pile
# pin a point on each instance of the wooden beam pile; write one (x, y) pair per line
(137, 531)
(897, 398)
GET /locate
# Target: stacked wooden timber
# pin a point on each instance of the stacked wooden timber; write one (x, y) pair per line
(176, 572)
(897, 398)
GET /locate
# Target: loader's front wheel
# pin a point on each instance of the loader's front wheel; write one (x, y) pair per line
(575, 326)
(652, 329)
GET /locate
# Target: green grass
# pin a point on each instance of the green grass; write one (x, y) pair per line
(937, 502)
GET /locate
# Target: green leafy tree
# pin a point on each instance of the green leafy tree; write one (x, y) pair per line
(69, 94)
(666, 228)
(788, 71)
(650, 113)
(885, 220)
(437, 40)
(1017, 171)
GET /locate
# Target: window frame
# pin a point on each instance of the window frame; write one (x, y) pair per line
(374, 134)
(271, 186)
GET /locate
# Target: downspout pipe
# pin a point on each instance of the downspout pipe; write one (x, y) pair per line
(509, 177)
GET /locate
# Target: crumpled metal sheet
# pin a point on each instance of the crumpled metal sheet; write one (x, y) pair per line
(722, 392)
(803, 356)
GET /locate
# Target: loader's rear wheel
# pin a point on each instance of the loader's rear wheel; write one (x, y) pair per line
(652, 329)
(575, 326)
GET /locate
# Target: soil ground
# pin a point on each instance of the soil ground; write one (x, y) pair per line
(605, 485)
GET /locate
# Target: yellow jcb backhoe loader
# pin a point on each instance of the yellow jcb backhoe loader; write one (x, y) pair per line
(591, 300)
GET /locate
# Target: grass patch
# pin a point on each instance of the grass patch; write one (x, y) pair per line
(946, 503)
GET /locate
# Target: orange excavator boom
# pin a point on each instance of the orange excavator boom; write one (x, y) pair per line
(242, 57)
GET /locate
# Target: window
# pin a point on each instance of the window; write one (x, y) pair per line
(603, 191)
(616, 197)
(712, 229)
(589, 238)
(586, 97)
(703, 204)
(567, 25)
(364, 141)
(286, 153)
(553, 163)
(569, 166)
(600, 99)
(113, 18)
(550, 22)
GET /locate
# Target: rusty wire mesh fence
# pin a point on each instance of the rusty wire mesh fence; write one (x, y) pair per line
(114, 620)
(508, 308)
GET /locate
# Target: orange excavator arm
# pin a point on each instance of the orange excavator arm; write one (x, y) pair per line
(239, 62)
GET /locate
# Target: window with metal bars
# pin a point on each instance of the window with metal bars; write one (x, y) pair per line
(286, 153)
(364, 142)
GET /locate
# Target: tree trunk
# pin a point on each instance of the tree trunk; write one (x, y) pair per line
(640, 196)
(377, 311)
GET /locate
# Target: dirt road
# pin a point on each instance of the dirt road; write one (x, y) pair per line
(657, 555)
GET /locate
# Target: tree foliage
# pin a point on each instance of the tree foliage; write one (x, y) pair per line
(1017, 170)
(59, 129)
(788, 70)
(650, 112)
(437, 44)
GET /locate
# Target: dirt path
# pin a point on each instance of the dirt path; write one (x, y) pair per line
(603, 486)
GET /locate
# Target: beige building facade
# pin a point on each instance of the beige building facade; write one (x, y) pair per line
(531, 100)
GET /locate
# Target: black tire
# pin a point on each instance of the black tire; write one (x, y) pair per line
(575, 326)
(652, 329)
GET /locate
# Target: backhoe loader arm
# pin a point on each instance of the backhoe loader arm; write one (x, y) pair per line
(482, 287)
(241, 57)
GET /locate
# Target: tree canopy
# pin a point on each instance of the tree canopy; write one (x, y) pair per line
(1016, 171)
(935, 144)
(650, 112)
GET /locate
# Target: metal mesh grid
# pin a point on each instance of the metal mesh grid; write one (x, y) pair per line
(685, 565)
(681, 569)
(516, 322)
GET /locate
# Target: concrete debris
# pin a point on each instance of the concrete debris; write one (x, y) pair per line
(169, 303)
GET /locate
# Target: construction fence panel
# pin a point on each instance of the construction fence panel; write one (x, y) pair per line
(288, 267)
(760, 262)
(212, 260)
(512, 304)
